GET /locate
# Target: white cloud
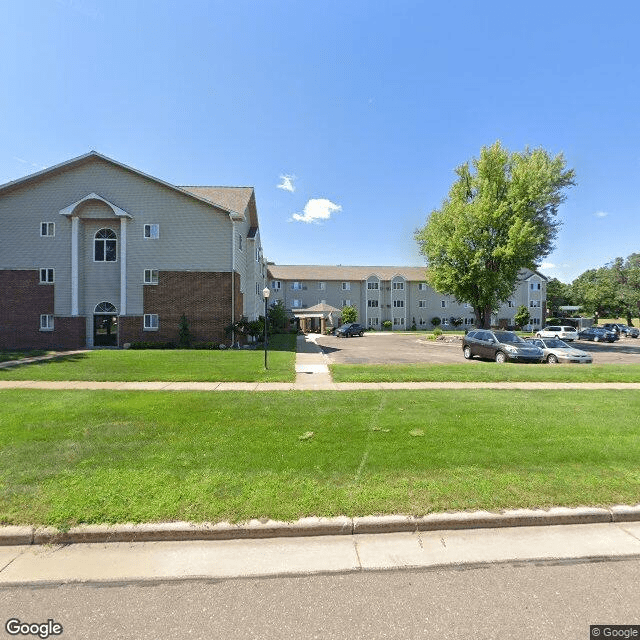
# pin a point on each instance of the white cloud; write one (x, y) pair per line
(287, 183)
(317, 209)
(547, 265)
(601, 214)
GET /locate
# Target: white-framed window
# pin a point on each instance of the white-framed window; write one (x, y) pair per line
(398, 304)
(47, 229)
(322, 286)
(398, 286)
(534, 303)
(346, 286)
(151, 276)
(468, 321)
(421, 321)
(535, 320)
(444, 321)
(372, 303)
(296, 304)
(374, 322)
(276, 285)
(47, 276)
(151, 322)
(46, 322)
(422, 304)
(373, 286)
(105, 246)
(443, 304)
(152, 231)
(423, 286)
(346, 303)
(535, 286)
(296, 286)
(398, 322)
(239, 242)
(510, 304)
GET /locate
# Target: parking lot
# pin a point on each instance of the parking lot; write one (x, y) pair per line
(403, 348)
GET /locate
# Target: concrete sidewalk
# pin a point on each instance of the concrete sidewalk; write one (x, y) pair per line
(111, 562)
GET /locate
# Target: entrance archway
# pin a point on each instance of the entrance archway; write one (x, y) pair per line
(105, 325)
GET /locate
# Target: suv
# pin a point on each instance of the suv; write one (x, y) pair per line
(563, 332)
(499, 346)
(350, 329)
(631, 332)
(598, 334)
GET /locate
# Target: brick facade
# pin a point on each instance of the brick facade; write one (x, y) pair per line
(23, 300)
(203, 297)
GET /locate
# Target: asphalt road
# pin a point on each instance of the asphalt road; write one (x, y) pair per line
(503, 601)
(393, 348)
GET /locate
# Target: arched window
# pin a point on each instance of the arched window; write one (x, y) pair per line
(104, 246)
(105, 307)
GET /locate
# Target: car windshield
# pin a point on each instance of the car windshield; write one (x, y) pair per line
(554, 343)
(507, 336)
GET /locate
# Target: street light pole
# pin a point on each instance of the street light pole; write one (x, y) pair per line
(265, 295)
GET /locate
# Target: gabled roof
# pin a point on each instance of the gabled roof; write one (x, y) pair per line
(231, 199)
(346, 273)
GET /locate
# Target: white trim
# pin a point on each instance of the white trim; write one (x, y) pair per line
(47, 271)
(75, 224)
(70, 210)
(50, 225)
(151, 279)
(123, 266)
(48, 324)
(154, 322)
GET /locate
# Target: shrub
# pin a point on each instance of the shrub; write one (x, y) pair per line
(435, 321)
(437, 332)
(387, 324)
(153, 345)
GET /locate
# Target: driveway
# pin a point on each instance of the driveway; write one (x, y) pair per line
(405, 348)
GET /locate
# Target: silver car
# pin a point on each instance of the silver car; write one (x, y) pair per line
(555, 350)
(558, 331)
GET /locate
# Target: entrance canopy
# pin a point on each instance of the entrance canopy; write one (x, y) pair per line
(326, 316)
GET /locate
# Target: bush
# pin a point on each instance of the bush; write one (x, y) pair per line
(206, 345)
(437, 332)
(435, 321)
(387, 324)
(153, 345)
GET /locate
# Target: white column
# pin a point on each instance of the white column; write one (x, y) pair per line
(75, 224)
(123, 266)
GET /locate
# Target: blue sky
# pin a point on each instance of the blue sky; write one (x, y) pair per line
(363, 108)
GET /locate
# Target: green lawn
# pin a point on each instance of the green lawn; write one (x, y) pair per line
(485, 372)
(167, 365)
(78, 456)
(5, 356)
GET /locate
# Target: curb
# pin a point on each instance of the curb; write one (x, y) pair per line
(342, 525)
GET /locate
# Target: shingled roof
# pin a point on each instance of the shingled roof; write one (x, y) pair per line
(341, 272)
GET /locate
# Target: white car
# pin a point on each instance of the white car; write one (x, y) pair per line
(557, 331)
(557, 351)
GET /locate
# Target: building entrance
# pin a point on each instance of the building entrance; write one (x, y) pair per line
(105, 325)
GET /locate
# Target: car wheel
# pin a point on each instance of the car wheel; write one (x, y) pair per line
(596, 338)
(467, 353)
(500, 357)
(552, 359)
(538, 335)
(361, 334)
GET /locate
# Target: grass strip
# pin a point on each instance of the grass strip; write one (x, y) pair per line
(179, 365)
(485, 372)
(87, 457)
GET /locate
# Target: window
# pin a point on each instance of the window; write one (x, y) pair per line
(536, 321)
(47, 229)
(398, 304)
(346, 286)
(398, 322)
(374, 322)
(240, 241)
(535, 286)
(151, 321)
(296, 286)
(423, 286)
(47, 276)
(443, 304)
(398, 286)
(373, 286)
(534, 303)
(276, 285)
(151, 276)
(510, 304)
(321, 286)
(422, 304)
(296, 304)
(105, 307)
(46, 322)
(346, 303)
(372, 303)
(105, 246)
(152, 231)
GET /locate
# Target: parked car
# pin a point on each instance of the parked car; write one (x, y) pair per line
(622, 329)
(598, 334)
(555, 350)
(499, 346)
(564, 332)
(350, 329)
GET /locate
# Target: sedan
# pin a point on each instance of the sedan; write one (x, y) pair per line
(350, 329)
(598, 334)
(499, 346)
(555, 350)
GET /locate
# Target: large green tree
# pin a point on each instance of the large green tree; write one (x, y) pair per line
(500, 216)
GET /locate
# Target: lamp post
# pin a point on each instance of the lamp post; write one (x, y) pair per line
(265, 295)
